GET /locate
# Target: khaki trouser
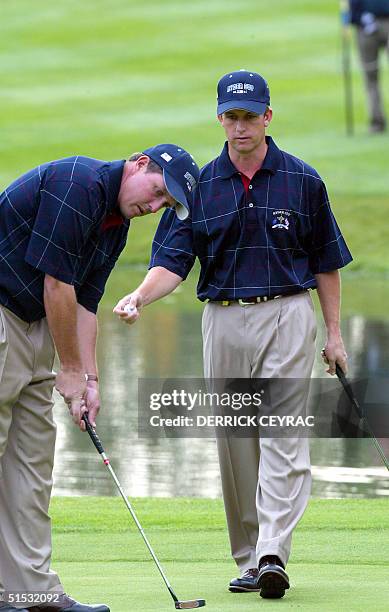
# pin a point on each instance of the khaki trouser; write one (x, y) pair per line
(27, 439)
(369, 46)
(266, 484)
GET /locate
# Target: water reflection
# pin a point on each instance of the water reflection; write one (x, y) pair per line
(166, 342)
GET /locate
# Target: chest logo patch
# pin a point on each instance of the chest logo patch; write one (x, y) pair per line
(280, 219)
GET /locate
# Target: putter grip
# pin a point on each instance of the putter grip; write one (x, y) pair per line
(339, 372)
(93, 435)
(349, 391)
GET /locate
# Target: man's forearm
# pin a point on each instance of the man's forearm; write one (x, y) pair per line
(87, 337)
(157, 283)
(87, 334)
(328, 289)
(61, 311)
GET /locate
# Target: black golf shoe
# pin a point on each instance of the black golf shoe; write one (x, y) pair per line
(68, 604)
(377, 127)
(79, 607)
(273, 580)
(247, 583)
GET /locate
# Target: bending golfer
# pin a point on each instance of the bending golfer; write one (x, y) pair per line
(262, 228)
(62, 227)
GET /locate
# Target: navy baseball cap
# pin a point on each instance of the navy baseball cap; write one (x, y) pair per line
(180, 173)
(243, 90)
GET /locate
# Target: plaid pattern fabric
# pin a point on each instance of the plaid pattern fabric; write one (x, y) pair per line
(51, 222)
(269, 240)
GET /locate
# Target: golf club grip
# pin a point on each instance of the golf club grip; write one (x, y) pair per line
(340, 373)
(347, 387)
(93, 435)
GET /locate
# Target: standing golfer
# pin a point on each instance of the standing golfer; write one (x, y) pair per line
(371, 19)
(62, 227)
(262, 228)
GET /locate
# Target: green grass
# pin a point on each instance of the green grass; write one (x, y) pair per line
(339, 560)
(107, 79)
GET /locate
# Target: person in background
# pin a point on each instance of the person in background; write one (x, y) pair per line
(371, 20)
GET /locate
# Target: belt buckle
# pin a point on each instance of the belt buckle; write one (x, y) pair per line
(241, 302)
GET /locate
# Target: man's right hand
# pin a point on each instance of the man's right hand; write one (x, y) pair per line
(129, 307)
(71, 384)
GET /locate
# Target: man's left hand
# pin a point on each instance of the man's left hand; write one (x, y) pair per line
(334, 353)
(92, 401)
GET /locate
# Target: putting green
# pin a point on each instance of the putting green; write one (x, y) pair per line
(340, 558)
(106, 79)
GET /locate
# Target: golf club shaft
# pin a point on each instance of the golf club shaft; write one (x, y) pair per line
(347, 387)
(346, 65)
(97, 443)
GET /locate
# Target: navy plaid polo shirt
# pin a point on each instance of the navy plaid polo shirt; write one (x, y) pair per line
(267, 240)
(55, 220)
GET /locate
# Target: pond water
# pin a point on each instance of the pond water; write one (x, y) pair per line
(166, 343)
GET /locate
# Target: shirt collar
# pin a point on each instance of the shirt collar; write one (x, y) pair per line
(226, 169)
(115, 174)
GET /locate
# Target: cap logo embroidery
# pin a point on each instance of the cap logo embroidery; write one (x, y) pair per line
(240, 88)
(190, 181)
(166, 157)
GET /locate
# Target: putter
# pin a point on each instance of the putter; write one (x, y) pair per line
(350, 393)
(179, 605)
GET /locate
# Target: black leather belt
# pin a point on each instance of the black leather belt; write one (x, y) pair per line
(247, 301)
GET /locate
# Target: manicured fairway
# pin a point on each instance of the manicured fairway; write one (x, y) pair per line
(340, 555)
(106, 79)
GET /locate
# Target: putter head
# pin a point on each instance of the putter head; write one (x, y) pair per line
(189, 605)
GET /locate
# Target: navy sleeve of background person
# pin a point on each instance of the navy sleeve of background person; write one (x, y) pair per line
(379, 8)
(61, 227)
(172, 246)
(325, 245)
